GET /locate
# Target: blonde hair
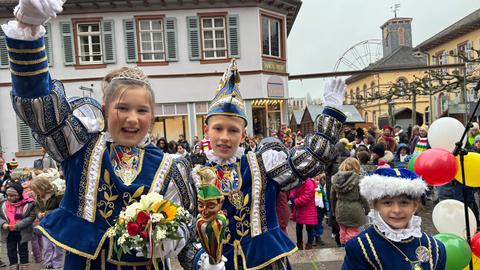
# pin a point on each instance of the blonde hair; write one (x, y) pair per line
(42, 185)
(350, 164)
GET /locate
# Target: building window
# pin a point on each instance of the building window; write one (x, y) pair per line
(351, 96)
(152, 42)
(366, 117)
(26, 142)
(357, 93)
(271, 33)
(89, 43)
(214, 38)
(365, 93)
(374, 117)
(401, 36)
(372, 89)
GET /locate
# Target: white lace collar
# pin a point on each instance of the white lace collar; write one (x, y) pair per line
(142, 144)
(213, 158)
(413, 229)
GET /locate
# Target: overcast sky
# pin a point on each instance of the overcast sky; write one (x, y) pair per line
(324, 30)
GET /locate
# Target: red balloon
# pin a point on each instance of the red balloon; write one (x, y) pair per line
(475, 244)
(436, 166)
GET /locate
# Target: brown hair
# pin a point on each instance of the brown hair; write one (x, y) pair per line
(350, 164)
(41, 185)
(112, 87)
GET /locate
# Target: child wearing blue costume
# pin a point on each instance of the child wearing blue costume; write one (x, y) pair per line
(105, 170)
(395, 239)
(251, 182)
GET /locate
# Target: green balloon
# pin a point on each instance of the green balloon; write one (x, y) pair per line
(458, 251)
(411, 163)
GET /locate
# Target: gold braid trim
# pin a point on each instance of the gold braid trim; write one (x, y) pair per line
(31, 62)
(430, 250)
(29, 73)
(36, 50)
(373, 250)
(437, 251)
(365, 253)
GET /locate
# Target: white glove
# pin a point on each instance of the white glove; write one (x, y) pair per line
(37, 12)
(333, 94)
(169, 248)
(205, 264)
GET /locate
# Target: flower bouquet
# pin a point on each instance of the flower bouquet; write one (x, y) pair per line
(143, 225)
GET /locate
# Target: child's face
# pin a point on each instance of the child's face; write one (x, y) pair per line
(129, 116)
(225, 133)
(396, 211)
(403, 151)
(12, 195)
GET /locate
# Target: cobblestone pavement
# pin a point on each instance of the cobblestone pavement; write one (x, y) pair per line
(327, 257)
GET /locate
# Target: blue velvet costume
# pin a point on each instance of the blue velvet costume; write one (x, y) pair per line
(371, 250)
(71, 131)
(254, 239)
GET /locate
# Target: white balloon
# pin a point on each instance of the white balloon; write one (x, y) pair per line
(445, 132)
(449, 217)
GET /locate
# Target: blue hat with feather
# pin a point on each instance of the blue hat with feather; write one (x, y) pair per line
(228, 100)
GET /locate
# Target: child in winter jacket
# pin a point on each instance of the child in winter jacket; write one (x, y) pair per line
(304, 211)
(16, 220)
(321, 203)
(49, 193)
(349, 206)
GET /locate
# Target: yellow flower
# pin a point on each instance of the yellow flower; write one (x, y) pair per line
(121, 221)
(170, 211)
(156, 206)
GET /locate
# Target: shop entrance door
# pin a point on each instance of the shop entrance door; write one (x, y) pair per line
(259, 121)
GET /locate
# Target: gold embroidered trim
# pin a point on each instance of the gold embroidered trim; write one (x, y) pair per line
(437, 251)
(373, 250)
(365, 253)
(103, 259)
(74, 250)
(430, 250)
(36, 50)
(31, 62)
(265, 264)
(29, 73)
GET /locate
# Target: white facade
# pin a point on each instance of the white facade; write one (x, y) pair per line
(182, 88)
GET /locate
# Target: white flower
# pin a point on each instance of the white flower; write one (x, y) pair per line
(131, 211)
(161, 234)
(121, 240)
(111, 232)
(147, 200)
(157, 217)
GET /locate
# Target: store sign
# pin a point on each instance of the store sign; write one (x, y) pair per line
(275, 87)
(274, 66)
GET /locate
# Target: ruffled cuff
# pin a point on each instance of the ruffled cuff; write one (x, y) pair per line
(12, 30)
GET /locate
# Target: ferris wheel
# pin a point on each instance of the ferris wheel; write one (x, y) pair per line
(360, 55)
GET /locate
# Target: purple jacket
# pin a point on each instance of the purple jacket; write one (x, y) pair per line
(304, 211)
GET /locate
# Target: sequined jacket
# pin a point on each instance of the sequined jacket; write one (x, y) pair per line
(254, 239)
(70, 129)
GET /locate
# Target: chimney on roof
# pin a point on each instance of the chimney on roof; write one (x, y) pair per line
(396, 32)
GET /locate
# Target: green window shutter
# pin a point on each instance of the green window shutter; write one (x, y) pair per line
(48, 43)
(3, 50)
(233, 36)
(171, 39)
(25, 138)
(108, 41)
(130, 40)
(67, 43)
(193, 38)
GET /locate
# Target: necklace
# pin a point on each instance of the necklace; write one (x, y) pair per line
(423, 254)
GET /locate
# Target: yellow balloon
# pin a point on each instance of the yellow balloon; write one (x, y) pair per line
(472, 173)
(476, 263)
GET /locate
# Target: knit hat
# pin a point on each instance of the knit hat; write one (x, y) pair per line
(387, 127)
(228, 100)
(477, 138)
(378, 149)
(398, 126)
(389, 182)
(17, 188)
(12, 165)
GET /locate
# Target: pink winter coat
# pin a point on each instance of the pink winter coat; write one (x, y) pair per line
(304, 211)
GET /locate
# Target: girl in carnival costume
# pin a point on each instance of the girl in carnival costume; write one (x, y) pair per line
(395, 239)
(251, 182)
(105, 170)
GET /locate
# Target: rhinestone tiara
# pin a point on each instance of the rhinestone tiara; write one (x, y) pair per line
(134, 74)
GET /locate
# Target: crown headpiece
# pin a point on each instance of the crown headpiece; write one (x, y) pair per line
(134, 74)
(228, 100)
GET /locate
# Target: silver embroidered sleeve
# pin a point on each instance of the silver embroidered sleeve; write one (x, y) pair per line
(311, 158)
(57, 124)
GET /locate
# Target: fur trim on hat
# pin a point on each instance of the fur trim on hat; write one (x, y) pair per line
(374, 187)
